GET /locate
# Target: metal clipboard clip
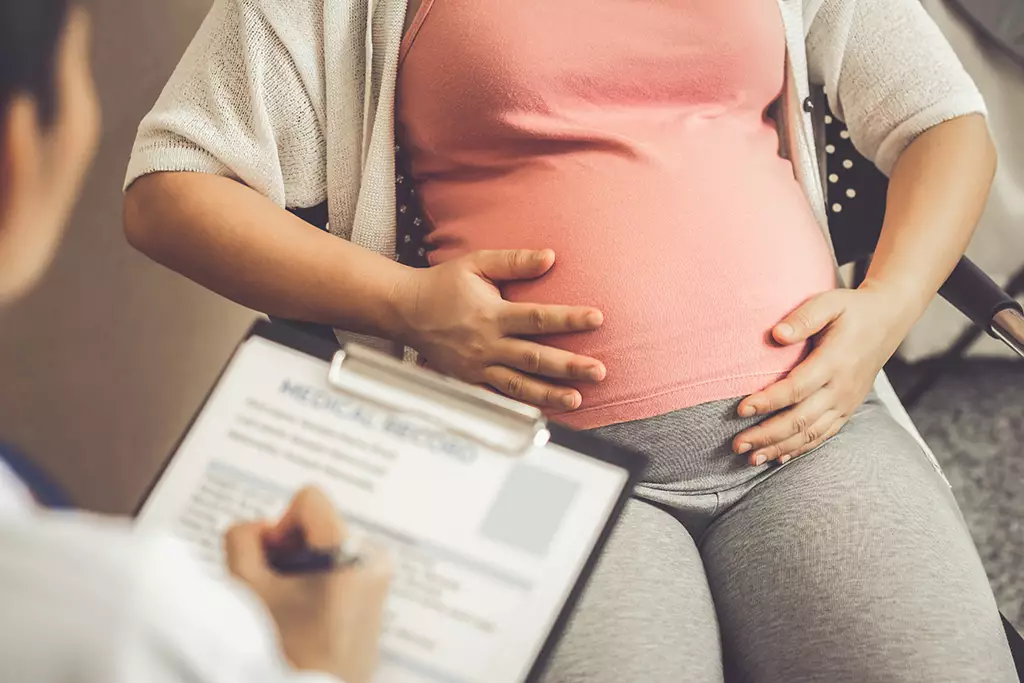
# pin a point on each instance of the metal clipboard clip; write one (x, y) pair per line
(459, 409)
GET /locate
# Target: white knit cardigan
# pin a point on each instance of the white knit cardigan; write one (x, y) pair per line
(296, 99)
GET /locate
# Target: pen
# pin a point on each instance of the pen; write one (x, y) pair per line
(307, 560)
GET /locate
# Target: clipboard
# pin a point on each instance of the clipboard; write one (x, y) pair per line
(496, 424)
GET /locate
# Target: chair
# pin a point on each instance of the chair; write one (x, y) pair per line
(856, 206)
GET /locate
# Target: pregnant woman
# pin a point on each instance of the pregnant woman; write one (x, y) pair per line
(624, 218)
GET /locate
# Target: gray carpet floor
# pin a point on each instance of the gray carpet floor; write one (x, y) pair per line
(973, 419)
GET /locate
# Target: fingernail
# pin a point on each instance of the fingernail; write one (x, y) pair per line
(744, 447)
(569, 401)
(784, 330)
(544, 255)
(596, 373)
(595, 318)
(760, 459)
(747, 411)
(784, 459)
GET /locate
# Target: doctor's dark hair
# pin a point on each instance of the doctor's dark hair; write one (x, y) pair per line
(30, 35)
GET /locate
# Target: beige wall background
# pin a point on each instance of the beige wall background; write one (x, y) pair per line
(102, 366)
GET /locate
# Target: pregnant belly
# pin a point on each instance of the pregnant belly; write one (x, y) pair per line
(690, 272)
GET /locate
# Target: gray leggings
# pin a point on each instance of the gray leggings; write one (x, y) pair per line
(851, 563)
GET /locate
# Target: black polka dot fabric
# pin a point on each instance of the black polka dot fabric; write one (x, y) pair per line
(856, 194)
(410, 226)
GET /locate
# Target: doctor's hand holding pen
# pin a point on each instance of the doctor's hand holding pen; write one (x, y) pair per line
(325, 595)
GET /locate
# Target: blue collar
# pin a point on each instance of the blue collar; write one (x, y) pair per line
(40, 485)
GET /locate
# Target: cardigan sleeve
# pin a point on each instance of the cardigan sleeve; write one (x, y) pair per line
(888, 71)
(246, 102)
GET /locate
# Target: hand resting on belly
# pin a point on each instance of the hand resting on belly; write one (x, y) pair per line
(455, 317)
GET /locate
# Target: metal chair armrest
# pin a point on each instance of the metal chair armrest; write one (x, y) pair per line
(978, 297)
(1008, 326)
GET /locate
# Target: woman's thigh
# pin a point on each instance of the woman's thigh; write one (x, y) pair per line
(854, 564)
(646, 614)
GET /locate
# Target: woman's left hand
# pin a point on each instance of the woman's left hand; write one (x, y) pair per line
(854, 333)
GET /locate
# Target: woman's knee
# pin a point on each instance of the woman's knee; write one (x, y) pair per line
(646, 614)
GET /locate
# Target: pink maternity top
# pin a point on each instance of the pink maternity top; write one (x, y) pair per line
(630, 136)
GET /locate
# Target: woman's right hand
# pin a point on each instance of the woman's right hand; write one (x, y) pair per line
(454, 316)
(327, 622)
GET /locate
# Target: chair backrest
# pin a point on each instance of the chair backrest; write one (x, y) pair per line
(856, 195)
